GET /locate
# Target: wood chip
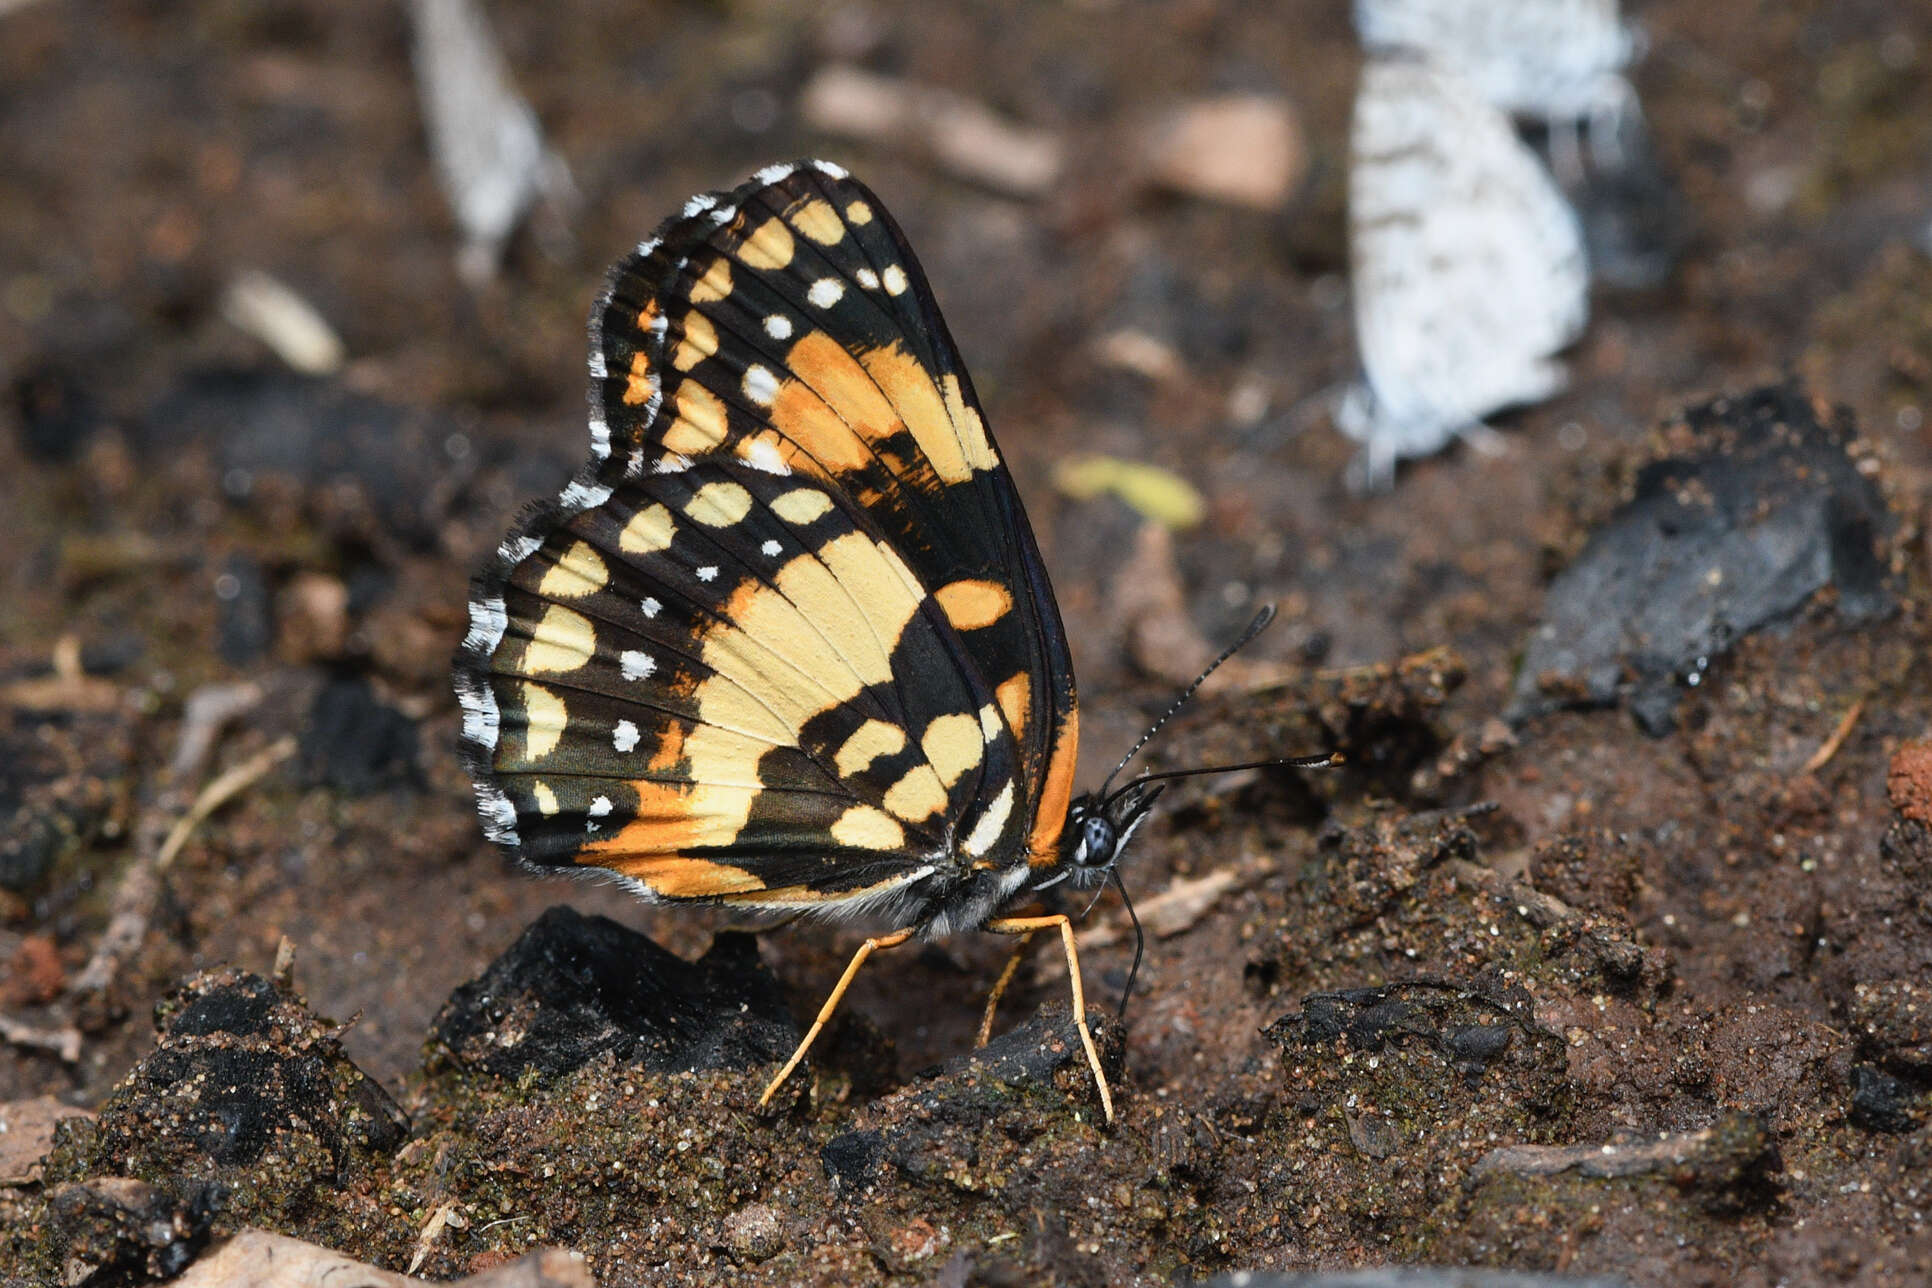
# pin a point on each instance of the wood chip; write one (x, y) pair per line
(1182, 905)
(258, 1259)
(1243, 150)
(961, 134)
(271, 311)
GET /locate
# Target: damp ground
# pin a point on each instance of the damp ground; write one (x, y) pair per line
(1637, 984)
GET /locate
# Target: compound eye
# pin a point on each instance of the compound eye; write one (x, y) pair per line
(1099, 837)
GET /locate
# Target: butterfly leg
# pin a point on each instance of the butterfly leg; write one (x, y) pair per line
(1000, 985)
(866, 949)
(1060, 921)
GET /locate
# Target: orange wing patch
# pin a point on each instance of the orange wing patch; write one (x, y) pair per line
(971, 604)
(640, 387)
(1056, 793)
(675, 876)
(955, 452)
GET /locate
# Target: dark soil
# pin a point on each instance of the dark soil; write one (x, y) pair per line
(1587, 993)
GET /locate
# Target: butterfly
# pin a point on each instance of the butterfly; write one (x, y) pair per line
(1468, 266)
(786, 644)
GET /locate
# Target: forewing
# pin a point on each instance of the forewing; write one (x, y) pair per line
(788, 324)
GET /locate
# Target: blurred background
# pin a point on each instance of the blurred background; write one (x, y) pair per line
(277, 375)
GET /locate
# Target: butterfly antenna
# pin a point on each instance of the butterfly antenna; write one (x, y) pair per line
(1324, 760)
(1255, 627)
(1140, 945)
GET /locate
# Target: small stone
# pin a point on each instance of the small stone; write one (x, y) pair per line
(961, 134)
(312, 618)
(1909, 780)
(1497, 737)
(356, 743)
(34, 976)
(1880, 1102)
(754, 1233)
(1243, 149)
(56, 410)
(852, 1158)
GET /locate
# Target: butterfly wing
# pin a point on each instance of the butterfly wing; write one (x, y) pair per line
(1468, 265)
(790, 643)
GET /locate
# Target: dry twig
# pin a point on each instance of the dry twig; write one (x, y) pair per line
(64, 1042)
(1830, 746)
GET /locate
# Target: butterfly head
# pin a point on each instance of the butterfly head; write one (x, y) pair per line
(1098, 829)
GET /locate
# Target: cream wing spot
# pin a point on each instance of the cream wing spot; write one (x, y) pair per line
(718, 505)
(894, 279)
(952, 745)
(545, 798)
(976, 446)
(544, 718)
(858, 213)
(867, 278)
(578, 572)
(864, 827)
(561, 641)
(990, 723)
(700, 425)
(817, 220)
(649, 531)
(699, 342)
(801, 505)
(918, 795)
(715, 285)
(770, 246)
(826, 292)
(871, 740)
